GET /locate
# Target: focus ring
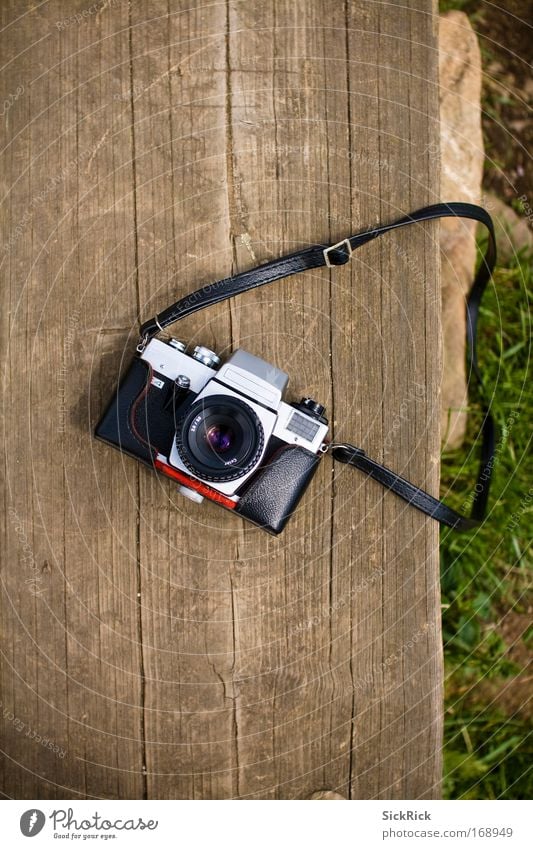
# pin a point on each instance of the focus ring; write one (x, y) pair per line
(235, 407)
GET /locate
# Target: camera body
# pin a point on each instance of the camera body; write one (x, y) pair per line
(222, 432)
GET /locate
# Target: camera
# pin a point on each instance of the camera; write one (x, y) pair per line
(221, 431)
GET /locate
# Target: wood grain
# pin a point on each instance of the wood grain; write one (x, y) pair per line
(169, 650)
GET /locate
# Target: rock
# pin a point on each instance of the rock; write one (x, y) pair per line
(327, 794)
(512, 230)
(462, 154)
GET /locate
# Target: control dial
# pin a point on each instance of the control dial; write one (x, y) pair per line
(179, 346)
(206, 356)
(313, 408)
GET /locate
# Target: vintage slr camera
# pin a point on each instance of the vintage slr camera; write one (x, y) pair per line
(221, 431)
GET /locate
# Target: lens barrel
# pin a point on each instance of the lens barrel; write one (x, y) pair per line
(220, 438)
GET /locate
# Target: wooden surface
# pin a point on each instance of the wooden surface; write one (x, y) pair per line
(152, 647)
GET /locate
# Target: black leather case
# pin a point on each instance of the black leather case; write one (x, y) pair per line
(140, 413)
(274, 492)
(115, 426)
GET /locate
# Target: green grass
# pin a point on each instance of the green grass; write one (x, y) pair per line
(488, 746)
(486, 574)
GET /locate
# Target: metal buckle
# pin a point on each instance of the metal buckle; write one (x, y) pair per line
(344, 243)
(343, 446)
(143, 342)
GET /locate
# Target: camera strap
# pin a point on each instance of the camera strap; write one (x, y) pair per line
(318, 256)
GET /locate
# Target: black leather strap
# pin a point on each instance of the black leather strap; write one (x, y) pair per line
(338, 254)
(415, 496)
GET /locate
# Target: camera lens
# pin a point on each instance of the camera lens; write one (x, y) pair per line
(220, 438)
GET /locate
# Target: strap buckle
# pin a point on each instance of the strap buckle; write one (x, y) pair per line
(345, 243)
(338, 449)
(142, 343)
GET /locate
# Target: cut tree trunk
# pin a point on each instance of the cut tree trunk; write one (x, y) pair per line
(166, 649)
